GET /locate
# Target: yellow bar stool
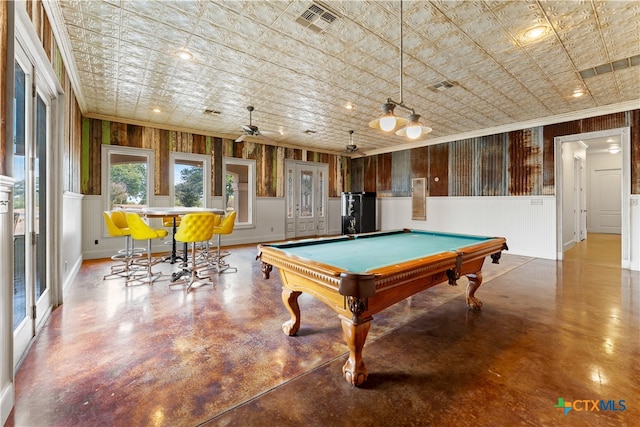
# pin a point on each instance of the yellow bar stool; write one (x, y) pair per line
(124, 256)
(119, 218)
(141, 231)
(226, 227)
(194, 228)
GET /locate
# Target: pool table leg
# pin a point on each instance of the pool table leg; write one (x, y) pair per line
(290, 300)
(354, 370)
(475, 280)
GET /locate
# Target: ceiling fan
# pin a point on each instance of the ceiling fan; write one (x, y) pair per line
(251, 129)
(350, 147)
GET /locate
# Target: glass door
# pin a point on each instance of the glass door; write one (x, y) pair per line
(31, 296)
(306, 199)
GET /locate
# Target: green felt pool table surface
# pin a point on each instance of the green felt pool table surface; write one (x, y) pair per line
(367, 252)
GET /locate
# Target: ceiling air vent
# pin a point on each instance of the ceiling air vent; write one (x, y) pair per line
(209, 111)
(317, 18)
(441, 86)
(620, 64)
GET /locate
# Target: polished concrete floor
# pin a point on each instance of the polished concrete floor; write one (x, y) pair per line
(149, 356)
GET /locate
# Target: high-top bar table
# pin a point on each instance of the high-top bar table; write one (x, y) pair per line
(173, 212)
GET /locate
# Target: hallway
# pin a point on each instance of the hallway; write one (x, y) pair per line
(149, 356)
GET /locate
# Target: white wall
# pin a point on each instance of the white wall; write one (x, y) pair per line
(71, 253)
(269, 225)
(570, 150)
(528, 223)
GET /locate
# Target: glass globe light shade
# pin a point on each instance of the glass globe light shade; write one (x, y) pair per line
(388, 122)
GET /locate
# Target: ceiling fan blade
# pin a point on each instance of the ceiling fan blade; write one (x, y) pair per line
(241, 138)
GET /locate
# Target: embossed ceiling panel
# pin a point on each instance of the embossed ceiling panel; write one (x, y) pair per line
(125, 64)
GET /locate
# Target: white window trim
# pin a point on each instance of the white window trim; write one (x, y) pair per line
(107, 150)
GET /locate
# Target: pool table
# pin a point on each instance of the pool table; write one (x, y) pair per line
(360, 275)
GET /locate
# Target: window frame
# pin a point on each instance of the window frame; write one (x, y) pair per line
(107, 151)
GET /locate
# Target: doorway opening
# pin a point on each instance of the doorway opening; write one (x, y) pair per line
(593, 190)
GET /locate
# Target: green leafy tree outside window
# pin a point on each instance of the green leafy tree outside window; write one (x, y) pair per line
(128, 183)
(189, 191)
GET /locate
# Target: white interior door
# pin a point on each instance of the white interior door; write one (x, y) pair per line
(606, 201)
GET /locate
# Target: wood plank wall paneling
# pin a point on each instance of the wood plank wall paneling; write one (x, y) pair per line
(384, 183)
(267, 171)
(357, 174)
(95, 156)
(370, 180)
(3, 87)
(160, 140)
(216, 166)
(493, 178)
(73, 140)
(293, 153)
(269, 159)
(634, 122)
(438, 170)
(525, 163)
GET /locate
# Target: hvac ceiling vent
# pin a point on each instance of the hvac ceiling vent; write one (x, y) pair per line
(442, 86)
(618, 65)
(210, 111)
(317, 18)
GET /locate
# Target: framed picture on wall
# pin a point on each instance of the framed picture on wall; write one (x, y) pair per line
(418, 199)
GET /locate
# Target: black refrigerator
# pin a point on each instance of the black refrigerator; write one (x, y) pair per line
(358, 213)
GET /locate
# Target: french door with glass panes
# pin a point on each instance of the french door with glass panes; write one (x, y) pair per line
(306, 199)
(31, 293)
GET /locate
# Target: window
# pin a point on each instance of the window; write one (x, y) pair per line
(190, 177)
(127, 176)
(239, 189)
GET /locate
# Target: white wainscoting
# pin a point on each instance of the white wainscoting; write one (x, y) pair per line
(72, 247)
(335, 216)
(634, 234)
(528, 223)
(6, 298)
(269, 225)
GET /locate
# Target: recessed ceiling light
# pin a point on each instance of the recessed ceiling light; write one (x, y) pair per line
(157, 110)
(184, 54)
(578, 93)
(536, 32)
(349, 106)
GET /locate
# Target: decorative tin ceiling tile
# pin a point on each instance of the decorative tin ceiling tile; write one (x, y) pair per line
(254, 52)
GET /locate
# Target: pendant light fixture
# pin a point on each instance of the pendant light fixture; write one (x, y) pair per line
(389, 121)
